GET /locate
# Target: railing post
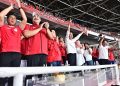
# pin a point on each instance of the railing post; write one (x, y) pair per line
(117, 75)
(101, 77)
(83, 82)
(18, 80)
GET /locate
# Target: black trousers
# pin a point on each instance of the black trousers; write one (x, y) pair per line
(64, 59)
(9, 59)
(72, 59)
(94, 60)
(35, 61)
(103, 61)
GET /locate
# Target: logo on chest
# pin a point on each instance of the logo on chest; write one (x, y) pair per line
(34, 27)
(15, 30)
(12, 28)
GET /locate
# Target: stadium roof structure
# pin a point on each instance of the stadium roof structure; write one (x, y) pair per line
(97, 14)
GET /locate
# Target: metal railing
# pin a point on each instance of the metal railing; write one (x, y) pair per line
(19, 72)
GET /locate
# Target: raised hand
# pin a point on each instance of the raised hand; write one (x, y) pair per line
(103, 37)
(19, 3)
(115, 39)
(43, 23)
(70, 20)
(85, 31)
(11, 5)
(46, 25)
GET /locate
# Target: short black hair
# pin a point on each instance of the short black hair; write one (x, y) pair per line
(9, 14)
(86, 43)
(60, 37)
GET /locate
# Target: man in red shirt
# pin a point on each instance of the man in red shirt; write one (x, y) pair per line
(10, 40)
(35, 44)
(63, 50)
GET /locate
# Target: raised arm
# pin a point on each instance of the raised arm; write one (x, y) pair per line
(79, 35)
(101, 40)
(4, 13)
(29, 33)
(116, 42)
(48, 30)
(24, 21)
(113, 45)
(68, 31)
(90, 51)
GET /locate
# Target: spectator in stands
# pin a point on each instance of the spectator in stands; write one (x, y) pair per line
(11, 40)
(62, 48)
(35, 44)
(88, 54)
(103, 51)
(95, 55)
(54, 54)
(111, 55)
(70, 43)
(80, 51)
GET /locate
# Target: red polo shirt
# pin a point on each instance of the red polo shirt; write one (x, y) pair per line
(111, 55)
(54, 53)
(37, 44)
(62, 49)
(10, 38)
(95, 53)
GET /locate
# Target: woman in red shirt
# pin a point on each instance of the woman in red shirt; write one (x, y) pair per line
(95, 55)
(62, 48)
(54, 55)
(111, 56)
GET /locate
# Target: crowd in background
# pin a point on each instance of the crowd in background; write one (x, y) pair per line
(41, 46)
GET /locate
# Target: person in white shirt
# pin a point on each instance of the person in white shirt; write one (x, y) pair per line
(103, 52)
(80, 51)
(70, 43)
(88, 54)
